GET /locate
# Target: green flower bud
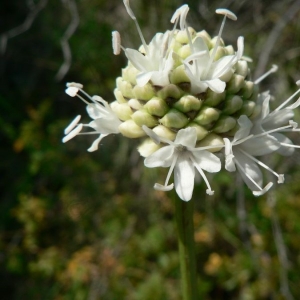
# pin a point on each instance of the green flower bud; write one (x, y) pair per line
(235, 84)
(219, 53)
(212, 139)
(213, 99)
(182, 36)
(184, 51)
(129, 74)
(241, 68)
(135, 104)
(247, 89)
(147, 148)
(227, 75)
(156, 107)
(178, 75)
(164, 132)
(214, 40)
(205, 37)
(144, 93)
(175, 45)
(255, 93)
(119, 96)
(247, 108)
(188, 103)
(232, 105)
(256, 111)
(125, 87)
(122, 110)
(207, 115)
(142, 117)
(224, 124)
(174, 119)
(229, 50)
(170, 92)
(201, 131)
(131, 130)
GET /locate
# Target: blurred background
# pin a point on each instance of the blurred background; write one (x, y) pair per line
(78, 225)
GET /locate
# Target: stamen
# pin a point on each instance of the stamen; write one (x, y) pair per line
(116, 42)
(279, 176)
(262, 77)
(72, 124)
(180, 14)
(271, 131)
(235, 58)
(289, 145)
(293, 124)
(264, 190)
(74, 84)
(209, 191)
(72, 91)
(171, 168)
(131, 14)
(247, 175)
(288, 100)
(164, 188)
(156, 139)
(226, 14)
(72, 134)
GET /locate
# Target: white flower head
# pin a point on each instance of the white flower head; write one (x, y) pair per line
(104, 122)
(182, 157)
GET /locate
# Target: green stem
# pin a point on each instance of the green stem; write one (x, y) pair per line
(185, 229)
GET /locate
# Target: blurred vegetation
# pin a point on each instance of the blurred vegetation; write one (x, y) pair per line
(79, 225)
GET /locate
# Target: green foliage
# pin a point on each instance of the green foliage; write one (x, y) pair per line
(79, 225)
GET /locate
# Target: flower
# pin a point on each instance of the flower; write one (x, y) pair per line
(277, 120)
(182, 157)
(240, 154)
(202, 69)
(156, 61)
(104, 122)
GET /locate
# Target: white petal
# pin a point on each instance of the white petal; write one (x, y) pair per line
(207, 161)
(96, 111)
(160, 78)
(138, 60)
(160, 158)
(143, 78)
(250, 168)
(106, 125)
(95, 144)
(277, 119)
(283, 150)
(260, 145)
(245, 127)
(164, 188)
(216, 85)
(151, 134)
(186, 137)
(184, 175)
